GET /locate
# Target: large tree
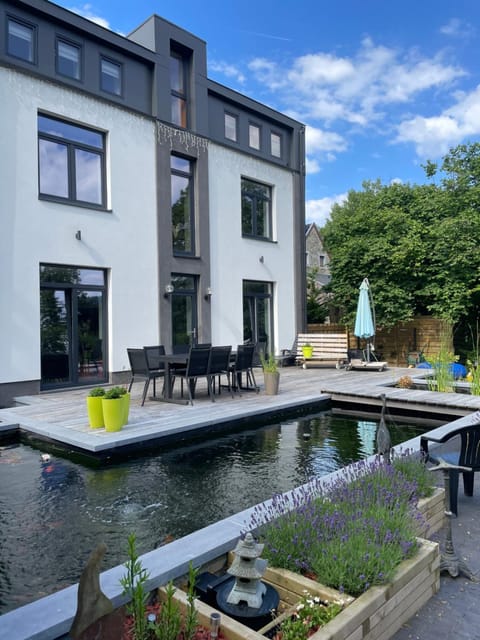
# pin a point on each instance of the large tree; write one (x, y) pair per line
(417, 245)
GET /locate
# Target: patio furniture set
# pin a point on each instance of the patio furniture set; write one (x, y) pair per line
(212, 363)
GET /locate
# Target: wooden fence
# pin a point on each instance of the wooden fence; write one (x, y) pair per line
(421, 334)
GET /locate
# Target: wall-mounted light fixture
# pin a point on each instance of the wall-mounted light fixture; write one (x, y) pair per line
(261, 259)
(169, 289)
(78, 235)
(208, 293)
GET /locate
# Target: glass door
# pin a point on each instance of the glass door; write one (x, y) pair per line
(55, 336)
(184, 313)
(257, 314)
(72, 326)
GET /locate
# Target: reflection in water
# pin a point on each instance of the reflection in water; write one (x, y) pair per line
(54, 512)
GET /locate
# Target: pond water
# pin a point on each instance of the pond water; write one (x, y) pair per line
(54, 513)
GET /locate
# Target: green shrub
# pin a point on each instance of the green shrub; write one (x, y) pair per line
(97, 392)
(115, 393)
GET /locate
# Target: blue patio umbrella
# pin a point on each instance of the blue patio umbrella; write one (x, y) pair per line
(364, 323)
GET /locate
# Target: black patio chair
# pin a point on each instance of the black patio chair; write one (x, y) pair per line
(197, 367)
(243, 364)
(466, 453)
(140, 369)
(154, 363)
(218, 365)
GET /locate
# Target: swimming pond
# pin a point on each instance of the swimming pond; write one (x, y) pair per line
(54, 512)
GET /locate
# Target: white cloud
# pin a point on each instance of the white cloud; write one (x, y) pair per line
(354, 90)
(86, 11)
(318, 211)
(312, 166)
(227, 70)
(321, 140)
(456, 28)
(434, 136)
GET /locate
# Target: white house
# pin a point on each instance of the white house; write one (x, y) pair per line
(141, 202)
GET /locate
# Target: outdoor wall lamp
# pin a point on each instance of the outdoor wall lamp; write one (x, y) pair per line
(208, 293)
(169, 289)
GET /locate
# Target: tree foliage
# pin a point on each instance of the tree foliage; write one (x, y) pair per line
(417, 244)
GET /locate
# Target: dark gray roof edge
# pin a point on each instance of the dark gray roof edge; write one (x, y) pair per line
(75, 20)
(251, 103)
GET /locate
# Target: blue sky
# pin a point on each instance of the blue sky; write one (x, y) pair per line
(382, 85)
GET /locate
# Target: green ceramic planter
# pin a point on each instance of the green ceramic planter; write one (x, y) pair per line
(95, 412)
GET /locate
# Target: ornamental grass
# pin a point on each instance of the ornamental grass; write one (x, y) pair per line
(351, 533)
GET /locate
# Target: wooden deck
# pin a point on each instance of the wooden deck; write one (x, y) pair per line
(61, 416)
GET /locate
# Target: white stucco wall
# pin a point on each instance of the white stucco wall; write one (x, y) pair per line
(32, 231)
(235, 259)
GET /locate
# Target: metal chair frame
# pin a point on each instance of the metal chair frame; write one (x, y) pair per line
(467, 456)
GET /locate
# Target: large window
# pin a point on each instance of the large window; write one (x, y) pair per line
(68, 59)
(71, 162)
(178, 89)
(111, 76)
(21, 40)
(256, 209)
(182, 205)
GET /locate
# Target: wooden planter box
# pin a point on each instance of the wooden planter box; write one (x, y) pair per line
(375, 615)
(433, 510)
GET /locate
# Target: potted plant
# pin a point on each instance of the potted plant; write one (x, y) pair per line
(271, 374)
(114, 408)
(307, 350)
(95, 407)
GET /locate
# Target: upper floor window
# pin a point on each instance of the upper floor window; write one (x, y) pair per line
(276, 145)
(231, 127)
(178, 89)
(182, 205)
(321, 261)
(256, 209)
(111, 76)
(21, 40)
(254, 136)
(71, 162)
(68, 59)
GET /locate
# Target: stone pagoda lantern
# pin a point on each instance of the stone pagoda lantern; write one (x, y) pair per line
(248, 569)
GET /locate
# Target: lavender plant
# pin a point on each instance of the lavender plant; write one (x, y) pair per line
(352, 532)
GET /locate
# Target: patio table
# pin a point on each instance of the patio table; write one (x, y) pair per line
(171, 361)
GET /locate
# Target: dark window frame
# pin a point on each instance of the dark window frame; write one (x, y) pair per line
(280, 142)
(61, 39)
(176, 95)
(71, 146)
(120, 66)
(259, 129)
(34, 42)
(190, 176)
(234, 116)
(256, 199)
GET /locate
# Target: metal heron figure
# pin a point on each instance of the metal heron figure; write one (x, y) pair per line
(384, 441)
